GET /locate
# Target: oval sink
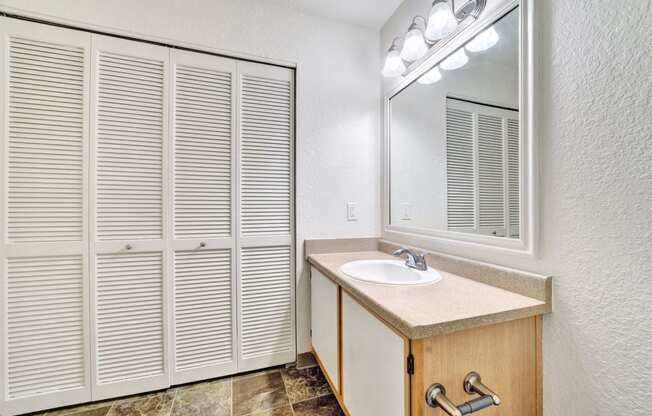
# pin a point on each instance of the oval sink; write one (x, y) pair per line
(390, 272)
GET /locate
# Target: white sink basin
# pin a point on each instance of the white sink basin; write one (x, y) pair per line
(389, 272)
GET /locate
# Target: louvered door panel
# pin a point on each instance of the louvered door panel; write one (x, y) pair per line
(266, 222)
(202, 152)
(491, 175)
(265, 155)
(45, 325)
(460, 169)
(129, 146)
(46, 135)
(266, 302)
(129, 331)
(130, 214)
(513, 177)
(205, 326)
(44, 359)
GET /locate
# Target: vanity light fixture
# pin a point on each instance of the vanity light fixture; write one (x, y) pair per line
(441, 21)
(430, 77)
(394, 65)
(457, 60)
(483, 41)
(422, 35)
(414, 45)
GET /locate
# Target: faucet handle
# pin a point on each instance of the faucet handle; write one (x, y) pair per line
(400, 251)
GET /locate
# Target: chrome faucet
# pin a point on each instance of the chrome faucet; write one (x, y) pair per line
(412, 260)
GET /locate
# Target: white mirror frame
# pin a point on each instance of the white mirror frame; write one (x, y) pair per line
(441, 240)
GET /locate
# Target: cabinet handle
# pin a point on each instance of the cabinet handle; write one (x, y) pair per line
(202, 244)
(436, 397)
(128, 247)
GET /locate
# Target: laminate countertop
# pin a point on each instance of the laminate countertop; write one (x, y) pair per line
(452, 304)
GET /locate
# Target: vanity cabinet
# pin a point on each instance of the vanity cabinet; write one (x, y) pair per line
(374, 377)
(374, 370)
(325, 312)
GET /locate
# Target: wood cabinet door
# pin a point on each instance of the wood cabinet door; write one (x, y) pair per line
(374, 375)
(325, 324)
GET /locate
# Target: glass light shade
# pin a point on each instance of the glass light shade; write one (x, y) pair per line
(430, 77)
(414, 46)
(441, 22)
(483, 41)
(455, 61)
(394, 65)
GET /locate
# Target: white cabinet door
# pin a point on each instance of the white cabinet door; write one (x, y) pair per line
(204, 312)
(374, 377)
(44, 357)
(266, 215)
(129, 213)
(324, 327)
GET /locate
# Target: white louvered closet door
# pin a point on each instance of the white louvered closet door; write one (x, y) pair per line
(266, 216)
(204, 297)
(129, 97)
(44, 351)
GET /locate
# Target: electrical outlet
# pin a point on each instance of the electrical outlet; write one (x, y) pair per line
(351, 211)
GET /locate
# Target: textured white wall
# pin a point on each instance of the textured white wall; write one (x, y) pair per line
(595, 96)
(337, 95)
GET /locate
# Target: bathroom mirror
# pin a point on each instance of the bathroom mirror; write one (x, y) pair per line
(457, 141)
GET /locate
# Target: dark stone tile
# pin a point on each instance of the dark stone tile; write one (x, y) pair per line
(93, 409)
(281, 411)
(306, 360)
(257, 393)
(305, 384)
(203, 399)
(319, 406)
(88, 409)
(154, 404)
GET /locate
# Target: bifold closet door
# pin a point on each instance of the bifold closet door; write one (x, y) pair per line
(129, 106)
(204, 297)
(266, 215)
(44, 350)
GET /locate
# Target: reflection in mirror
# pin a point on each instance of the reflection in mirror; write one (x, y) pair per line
(454, 140)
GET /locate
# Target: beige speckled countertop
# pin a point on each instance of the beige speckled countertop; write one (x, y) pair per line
(452, 304)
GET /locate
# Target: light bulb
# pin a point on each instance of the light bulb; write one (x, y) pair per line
(441, 22)
(457, 60)
(394, 65)
(414, 46)
(430, 77)
(483, 41)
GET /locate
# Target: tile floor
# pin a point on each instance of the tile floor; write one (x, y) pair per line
(272, 392)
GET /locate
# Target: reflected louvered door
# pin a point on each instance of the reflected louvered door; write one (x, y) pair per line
(482, 166)
(129, 217)
(460, 168)
(203, 263)
(44, 350)
(265, 216)
(491, 175)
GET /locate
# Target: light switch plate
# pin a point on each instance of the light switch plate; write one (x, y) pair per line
(406, 211)
(351, 211)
